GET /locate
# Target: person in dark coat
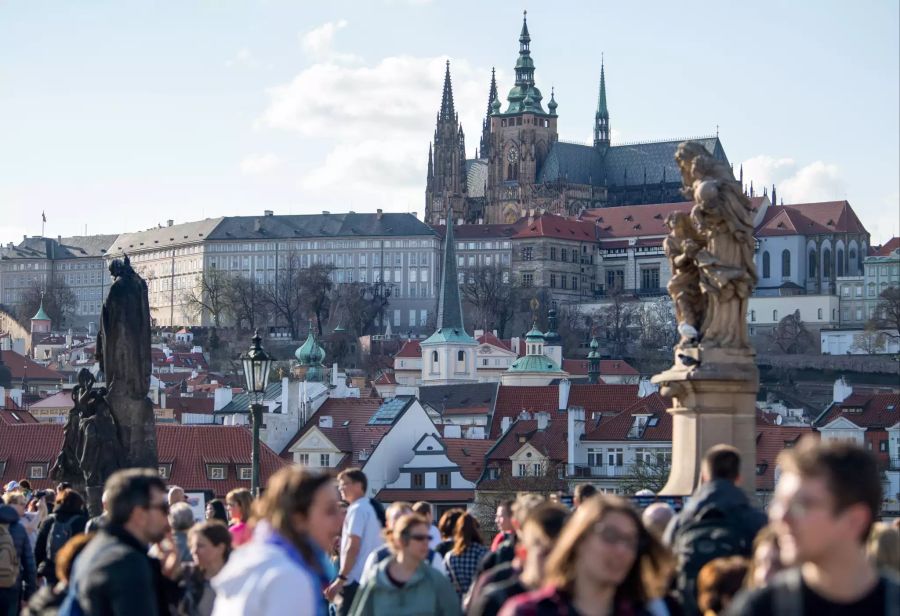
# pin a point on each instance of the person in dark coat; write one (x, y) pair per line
(115, 568)
(27, 583)
(69, 519)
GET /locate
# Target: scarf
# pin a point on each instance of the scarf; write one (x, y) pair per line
(323, 571)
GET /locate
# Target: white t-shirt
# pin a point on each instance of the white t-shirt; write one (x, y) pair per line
(435, 537)
(362, 522)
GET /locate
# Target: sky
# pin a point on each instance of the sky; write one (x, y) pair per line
(118, 115)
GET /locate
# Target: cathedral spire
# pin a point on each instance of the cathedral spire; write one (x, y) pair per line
(449, 304)
(601, 118)
(430, 176)
(525, 65)
(447, 109)
(485, 145)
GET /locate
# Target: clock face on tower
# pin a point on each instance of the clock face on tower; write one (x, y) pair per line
(512, 155)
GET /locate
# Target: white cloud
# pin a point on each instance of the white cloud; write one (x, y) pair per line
(245, 59)
(259, 164)
(319, 42)
(816, 181)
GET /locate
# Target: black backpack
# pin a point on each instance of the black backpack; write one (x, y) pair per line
(711, 533)
(379, 511)
(60, 533)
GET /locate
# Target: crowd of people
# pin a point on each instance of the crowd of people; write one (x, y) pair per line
(317, 544)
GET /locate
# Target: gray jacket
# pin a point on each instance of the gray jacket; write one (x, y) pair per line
(19, 535)
(427, 592)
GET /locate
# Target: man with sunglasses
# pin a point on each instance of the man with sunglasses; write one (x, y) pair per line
(114, 575)
(827, 498)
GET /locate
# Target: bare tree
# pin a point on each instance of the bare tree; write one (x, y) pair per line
(492, 295)
(357, 305)
(870, 341)
(645, 475)
(616, 321)
(246, 302)
(208, 295)
(887, 313)
(791, 336)
(285, 295)
(657, 326)
(315, 282)
(58, 299)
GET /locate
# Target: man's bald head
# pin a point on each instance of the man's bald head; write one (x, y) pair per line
(656, 517)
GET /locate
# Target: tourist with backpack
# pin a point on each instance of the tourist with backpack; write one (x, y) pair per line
(11, 559)
(719, 521)
(67, 520)
(12, 517)
(825, 503)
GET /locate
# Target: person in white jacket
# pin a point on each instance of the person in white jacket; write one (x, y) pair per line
(285, 566)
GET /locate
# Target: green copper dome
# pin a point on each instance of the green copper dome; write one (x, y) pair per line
(534, 335)
(310, 353)
(40, 315)
(534, 363)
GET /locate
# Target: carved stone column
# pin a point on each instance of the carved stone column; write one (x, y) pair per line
(714, 402)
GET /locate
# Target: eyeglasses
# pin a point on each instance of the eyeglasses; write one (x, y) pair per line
(611, 536)
(163, 507)
(418, 537)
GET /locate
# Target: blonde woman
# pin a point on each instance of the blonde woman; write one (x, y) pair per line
(239, 504)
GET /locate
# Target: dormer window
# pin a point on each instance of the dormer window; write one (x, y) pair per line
(165, 471)
(245, 473)
(215, 472)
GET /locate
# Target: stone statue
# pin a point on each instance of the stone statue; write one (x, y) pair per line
(723, 218)
(123, 351)
(681, 246)
(92, 448)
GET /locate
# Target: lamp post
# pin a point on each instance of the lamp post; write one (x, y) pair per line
(257, 365)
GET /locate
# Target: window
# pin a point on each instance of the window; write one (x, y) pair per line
(434, 361)
(303, 459)
(485, 362)
(564, 255)
(785, 263)
(615, 456)
(164, 470)
(245, 473)
(826, 264)
(615, 279)
(522, 469)
(423, 317)
(883, 446)
(553, 253)
(527, 279)
(443, 480)
(574, 283)
(216, 472)
(36, 471)
(753, 315)
(552, 281)
(819, 314)
(595, 457)
(840, 262)
(324, 460)
(775, 315)
(650, 278)
(562, 282)
(396, 318)
(418, 480)
(765, 264)
(526, 253)
(537, 469)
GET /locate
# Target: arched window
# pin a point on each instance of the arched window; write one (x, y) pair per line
(812, 264)
(785, 263)
(819, 314)
(766, 265)
(434, 357)
(775, 315)
(753, 315)
(460, 356)
(826, 264)
(840, 262)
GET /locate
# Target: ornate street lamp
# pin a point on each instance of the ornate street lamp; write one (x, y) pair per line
(257, 365)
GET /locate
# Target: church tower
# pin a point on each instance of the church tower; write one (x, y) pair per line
(446, 187)
(521, 137)
(601, 118)
(448, 355)
(484, 148)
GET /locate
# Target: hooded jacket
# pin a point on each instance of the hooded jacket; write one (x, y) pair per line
(19, 535)
(726, 497)
(78, 521)
(262, 579)
(427, 592)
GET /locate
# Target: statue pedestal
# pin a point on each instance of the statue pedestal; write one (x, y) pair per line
(137, 429)
(714, 402)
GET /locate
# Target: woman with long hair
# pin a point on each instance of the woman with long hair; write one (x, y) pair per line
(210, 547)
(604, 563)
(446, 526)
(239, 504)
(766, 559)
(405, 583)
(285, 567)
(468, 549)
(67, 520)
(215, 510)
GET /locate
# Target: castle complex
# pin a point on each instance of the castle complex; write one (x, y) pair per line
(521, 165)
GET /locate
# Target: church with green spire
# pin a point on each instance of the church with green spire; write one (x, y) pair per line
(521, 165)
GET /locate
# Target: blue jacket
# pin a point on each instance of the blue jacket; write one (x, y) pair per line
(10, 516)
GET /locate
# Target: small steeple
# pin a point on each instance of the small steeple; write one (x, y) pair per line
(601, 118)
(552, 104)
(485, 145)
(449, 304)
(774, 196)
(430, 176)
(447, 109)
(594, 362)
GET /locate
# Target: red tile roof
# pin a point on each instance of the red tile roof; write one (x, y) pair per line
(386, 378)
(866, 410)
(21, 366)
(551, 441)
(491, 339)
(600, 397)
(431, 496)
(469, 454)
(351, 438)
(410, 348)
(15, 417)
(59, 400)
(551, 225)
(187, 448)
(610, 367)
(771, 439)
(887, 248)
(810, 218)
(618, 427)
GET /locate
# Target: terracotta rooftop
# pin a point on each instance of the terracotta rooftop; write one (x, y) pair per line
(410, 348)
(15, 417)
(866, 410)
(551, 225)
(491, 339)
(619, 427)
(59, 400)
(21, 366)
(469, 454)
(609, 367)
(809, 219)
(552, 441)
(887, 248)
(772, 439)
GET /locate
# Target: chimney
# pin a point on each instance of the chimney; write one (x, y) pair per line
(378, 214)
(325, 212)
(452, 431)
(564, 386)
(221, 397)
(170, 222)
(842, 390)
(326, 421)
(574, 432)
(514, 345)
(543, 419)
(645, 388)
(268, 213)
(478, 333)
(504, 424)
